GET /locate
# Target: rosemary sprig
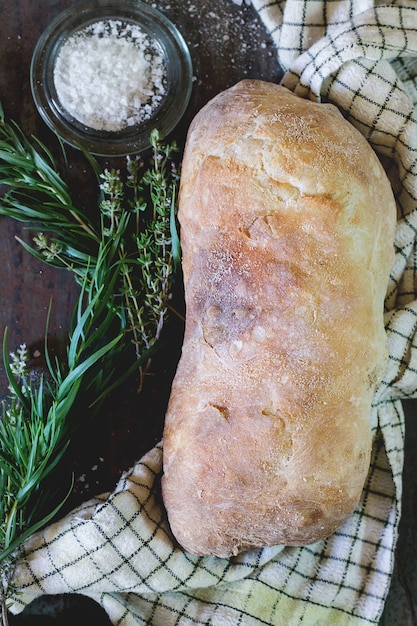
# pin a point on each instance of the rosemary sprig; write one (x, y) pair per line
(148, 269)
(38, 420)
(37, 193)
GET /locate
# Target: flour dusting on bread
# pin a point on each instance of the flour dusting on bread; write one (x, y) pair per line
(287, 227)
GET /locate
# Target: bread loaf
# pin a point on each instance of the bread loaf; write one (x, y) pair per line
(287, 226)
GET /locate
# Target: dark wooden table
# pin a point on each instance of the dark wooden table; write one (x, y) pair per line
(227, 43)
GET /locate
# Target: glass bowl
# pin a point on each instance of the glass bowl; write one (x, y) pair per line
(142, 31)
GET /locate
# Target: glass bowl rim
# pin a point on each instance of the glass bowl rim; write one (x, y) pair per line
(133, 139)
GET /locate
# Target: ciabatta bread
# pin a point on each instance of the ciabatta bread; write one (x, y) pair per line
(287, 226)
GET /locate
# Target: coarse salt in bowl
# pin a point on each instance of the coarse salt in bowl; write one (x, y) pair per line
(105, 73)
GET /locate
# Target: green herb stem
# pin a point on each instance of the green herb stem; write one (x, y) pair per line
(125, 270)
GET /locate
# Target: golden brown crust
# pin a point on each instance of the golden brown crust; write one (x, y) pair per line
(287, 225)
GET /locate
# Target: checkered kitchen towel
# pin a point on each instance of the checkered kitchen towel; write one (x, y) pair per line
(118, 549)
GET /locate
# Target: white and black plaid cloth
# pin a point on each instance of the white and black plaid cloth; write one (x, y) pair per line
(117, 549)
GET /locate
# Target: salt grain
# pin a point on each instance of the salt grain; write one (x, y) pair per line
(110, 75)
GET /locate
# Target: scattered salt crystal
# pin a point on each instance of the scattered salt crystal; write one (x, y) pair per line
(110, 75)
